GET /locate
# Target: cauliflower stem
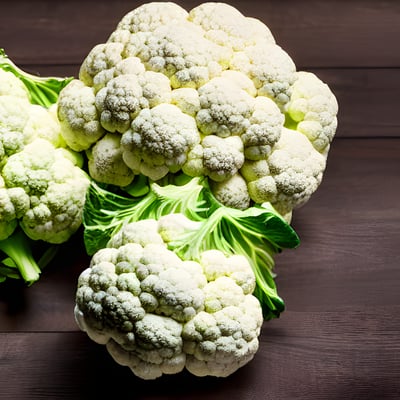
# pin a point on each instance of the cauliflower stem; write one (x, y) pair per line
(20, 261)
(43, 91)
(258, 233)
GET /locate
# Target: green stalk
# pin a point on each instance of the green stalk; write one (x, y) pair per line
(106, 212)
(43, 91)
(18, 248)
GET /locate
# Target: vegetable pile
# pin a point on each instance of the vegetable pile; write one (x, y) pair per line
(183, 148)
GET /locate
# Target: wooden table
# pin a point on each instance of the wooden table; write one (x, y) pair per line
(339, 337)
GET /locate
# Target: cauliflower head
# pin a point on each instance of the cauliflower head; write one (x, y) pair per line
(44, 190)
(159, 314)
(207, 92)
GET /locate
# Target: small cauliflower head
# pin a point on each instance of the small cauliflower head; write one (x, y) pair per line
(159, 314)
(51, 191)
(206, 92)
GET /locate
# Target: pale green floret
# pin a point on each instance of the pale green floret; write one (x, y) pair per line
(226, 26)
(289, 176)
(105, 162)
(78, 116)
(313, 109)
(270, 68)
(225, 108)
(10, 85)
(232, 192)
(158, 314)
(159, 141)
(56, 188)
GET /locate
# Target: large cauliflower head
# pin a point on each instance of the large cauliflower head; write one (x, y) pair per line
(159, 314)
(222, 75)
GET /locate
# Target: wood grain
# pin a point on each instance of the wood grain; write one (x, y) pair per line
(362, 33)
(339, 335)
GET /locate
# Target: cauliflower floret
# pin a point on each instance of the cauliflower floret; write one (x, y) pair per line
(181, 52)
(14, 114)
(124, 96)
(148, 17)
(290, 174)
(159, 141)
(14, 203)
(105, 162)
(237, 267)
(226, 26)
(216, 157)
(142, 232)
(187, 99)
(219, 343)
(225, 108)
(105, 62)
(232, 192)
(78, 116)
(43, 123)
(119, 102)
(313, 109)
(266, 123)
(270, 68)
(56, 188)
(151, 362)
(10, 85)
(158, 314)
(99, 64)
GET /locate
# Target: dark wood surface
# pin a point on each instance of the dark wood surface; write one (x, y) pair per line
(339, 337)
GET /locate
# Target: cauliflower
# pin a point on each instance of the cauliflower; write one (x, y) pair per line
(230, 92)
(158, 313)
(42, 186)
(55, 186)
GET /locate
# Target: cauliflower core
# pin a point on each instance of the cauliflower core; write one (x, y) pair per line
(207, 92)
(158, 314)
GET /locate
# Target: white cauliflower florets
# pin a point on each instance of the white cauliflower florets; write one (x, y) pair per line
(158, 314)
(222, 70)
